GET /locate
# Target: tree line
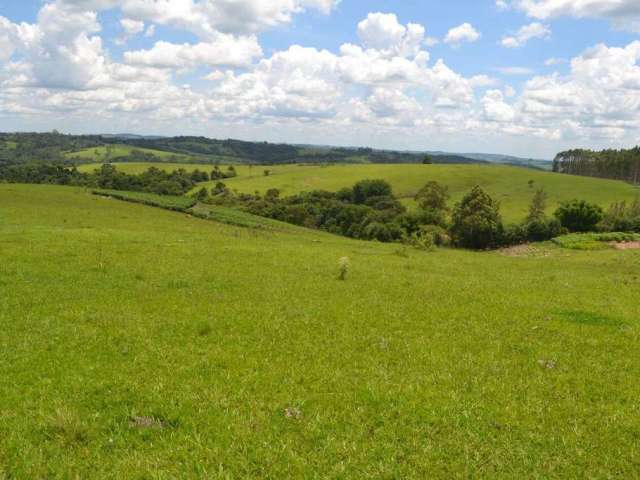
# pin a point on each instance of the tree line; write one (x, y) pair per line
(370, 211)
(153, 180)
(611, 164)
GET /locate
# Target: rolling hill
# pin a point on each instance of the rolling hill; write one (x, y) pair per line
(146, 342)
(509, 185)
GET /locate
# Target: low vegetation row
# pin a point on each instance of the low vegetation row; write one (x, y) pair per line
(370, 211)
(169, 202)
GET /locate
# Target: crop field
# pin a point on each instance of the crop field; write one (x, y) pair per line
(143, 343)
(509, 185)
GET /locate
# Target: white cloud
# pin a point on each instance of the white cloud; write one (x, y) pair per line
(555, 61)
(462, 33)
(225, 50)
(624, 13)
(383, 32)
(131, 27)
(526, 33)
(205, 18)
(495, 109)
(386, 83)
(514, 70)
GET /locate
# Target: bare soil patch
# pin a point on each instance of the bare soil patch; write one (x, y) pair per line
(524, 251)
(626, 245)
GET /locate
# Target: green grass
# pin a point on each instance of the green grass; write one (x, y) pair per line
(136, 168)
(509, 185)
(169, 202)
(102, 153)
(143, 343)
(9, 145)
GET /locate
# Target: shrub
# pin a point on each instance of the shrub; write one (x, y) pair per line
(543, 229)
(382, 232)
(433, 196)
(476, 221)
(202, 195)
(513, 235)
(428, 237)
(366, 189)
(622, 217)
(344, 265)
(579, 215)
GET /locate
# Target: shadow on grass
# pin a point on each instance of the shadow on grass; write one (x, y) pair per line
(590, 318)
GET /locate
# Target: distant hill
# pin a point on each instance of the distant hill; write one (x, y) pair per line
(511, 160)
(126, 147)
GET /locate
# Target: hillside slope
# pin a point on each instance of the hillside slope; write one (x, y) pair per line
(509, 185)
(142, 342)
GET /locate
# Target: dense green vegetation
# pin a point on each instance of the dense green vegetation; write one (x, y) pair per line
(169, 202)
(512, 187)
(370, 211)
(143, 343)
(595, 241)
(615, 164)
(152, 180)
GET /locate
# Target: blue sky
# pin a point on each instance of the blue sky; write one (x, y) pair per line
(524, 77)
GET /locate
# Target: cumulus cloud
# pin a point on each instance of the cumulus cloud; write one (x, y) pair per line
(624, 13)
(226, 50)
(526, 33)
(206, 17)
(383, 32)
(386, 81)
(462, 33)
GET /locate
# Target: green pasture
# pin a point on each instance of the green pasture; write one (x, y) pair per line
(143, 343)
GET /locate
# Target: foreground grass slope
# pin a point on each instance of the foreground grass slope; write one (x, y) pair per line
(509, 185)
(142, 343)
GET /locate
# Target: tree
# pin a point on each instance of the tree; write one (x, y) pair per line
(433, 196)
(579, 215)
(202, 194)
(427, 160)
(272, 194)
(538, 206)
(366, 189)
(476, 221)
(219, 189)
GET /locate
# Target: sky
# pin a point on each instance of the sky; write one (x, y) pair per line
(522, 77)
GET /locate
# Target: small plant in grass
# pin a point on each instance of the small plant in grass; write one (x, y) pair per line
(344, 264)
(204, 329)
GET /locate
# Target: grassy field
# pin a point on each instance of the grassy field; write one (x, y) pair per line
(143, 343)
(136, 168)
(103, 153)
(509, 185)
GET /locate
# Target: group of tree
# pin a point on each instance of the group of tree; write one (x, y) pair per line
(370, 211)
(153, 180)
(613, 164)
